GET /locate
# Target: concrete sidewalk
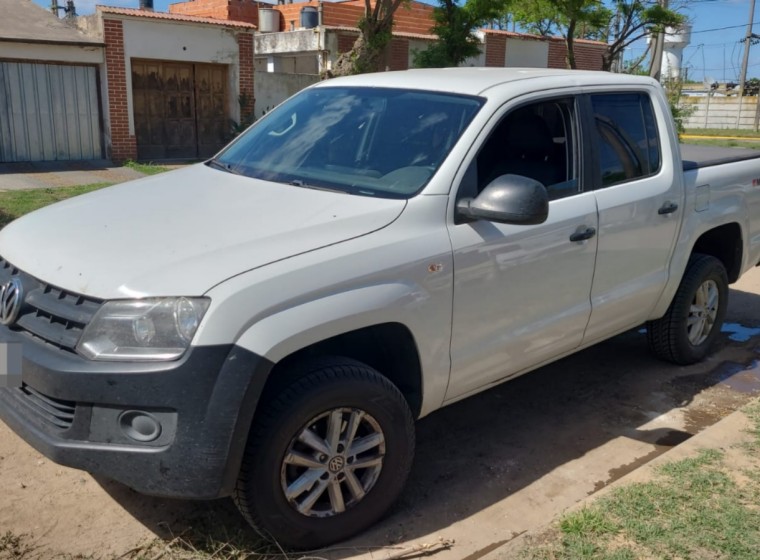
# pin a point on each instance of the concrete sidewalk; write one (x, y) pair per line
(50, 174)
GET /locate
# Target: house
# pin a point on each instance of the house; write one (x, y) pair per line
(301, 40)
(172, 84)
(50, 102)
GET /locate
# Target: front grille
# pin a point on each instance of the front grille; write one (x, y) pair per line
(49, 313)
(57, 412)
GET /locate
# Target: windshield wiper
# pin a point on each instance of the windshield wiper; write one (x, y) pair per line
(301, 183)
(216, 164)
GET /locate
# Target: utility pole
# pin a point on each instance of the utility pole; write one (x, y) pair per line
(745, 61)
(747, 43)
(659, 45)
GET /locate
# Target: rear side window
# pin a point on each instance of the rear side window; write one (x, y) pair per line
(626, 131)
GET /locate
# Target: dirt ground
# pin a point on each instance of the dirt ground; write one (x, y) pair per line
(487, 469)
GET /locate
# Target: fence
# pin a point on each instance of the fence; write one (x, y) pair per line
(722, 112)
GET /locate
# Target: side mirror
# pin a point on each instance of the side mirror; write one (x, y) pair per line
(508, 199)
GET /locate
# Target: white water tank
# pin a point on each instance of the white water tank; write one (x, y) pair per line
(676, 40)
(269, 20)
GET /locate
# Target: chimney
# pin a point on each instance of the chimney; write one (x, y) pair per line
(146, 5)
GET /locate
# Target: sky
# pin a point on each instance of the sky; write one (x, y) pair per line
(715, 52)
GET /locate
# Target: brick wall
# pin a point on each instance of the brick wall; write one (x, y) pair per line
(414, 18)
(399, 55)
(123, 145)
(496, 50)
(245, 45)
(588, 56)
(244, 10)
(218, 9)
(346, 41)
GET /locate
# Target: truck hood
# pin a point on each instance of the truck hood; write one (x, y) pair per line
(183, 232)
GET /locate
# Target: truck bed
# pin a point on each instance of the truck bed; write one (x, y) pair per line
(697, 157)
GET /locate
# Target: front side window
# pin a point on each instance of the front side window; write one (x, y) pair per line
(538, 141)
(367, 141)
(629, 147)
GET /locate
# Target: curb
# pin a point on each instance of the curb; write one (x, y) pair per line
(724, 434)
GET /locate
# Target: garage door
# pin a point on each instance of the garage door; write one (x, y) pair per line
(48, 112)
(179, 108)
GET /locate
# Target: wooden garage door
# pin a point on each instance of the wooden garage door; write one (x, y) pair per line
(179, 108)
(48, 112)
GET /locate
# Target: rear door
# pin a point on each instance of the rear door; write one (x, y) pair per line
(638, 195)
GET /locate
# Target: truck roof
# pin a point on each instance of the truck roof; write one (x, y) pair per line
(475, 81)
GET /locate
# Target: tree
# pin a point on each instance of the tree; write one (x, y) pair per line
(569, 18)
(454, 25)
(634, 20)
(367, 54)
(539, 17)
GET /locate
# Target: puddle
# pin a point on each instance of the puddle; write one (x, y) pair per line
(620, 472)
(739, 377)
(665, 443)
(739, 333)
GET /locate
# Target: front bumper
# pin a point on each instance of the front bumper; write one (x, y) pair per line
(69, 409)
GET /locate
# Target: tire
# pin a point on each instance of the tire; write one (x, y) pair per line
(328, 392)
(693, 321)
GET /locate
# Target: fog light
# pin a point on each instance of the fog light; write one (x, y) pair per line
(139, 426)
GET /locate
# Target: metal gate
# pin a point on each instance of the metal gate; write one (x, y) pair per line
(48, 112)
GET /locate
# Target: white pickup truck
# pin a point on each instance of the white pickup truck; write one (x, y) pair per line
(268, 324)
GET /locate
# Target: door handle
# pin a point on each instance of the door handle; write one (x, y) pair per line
(588, 233)
(667, 208)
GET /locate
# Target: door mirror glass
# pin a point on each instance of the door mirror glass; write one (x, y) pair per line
(508, 199)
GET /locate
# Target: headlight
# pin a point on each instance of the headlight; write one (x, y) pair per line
(144, 329)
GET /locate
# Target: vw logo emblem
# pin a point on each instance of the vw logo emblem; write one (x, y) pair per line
(11, 298)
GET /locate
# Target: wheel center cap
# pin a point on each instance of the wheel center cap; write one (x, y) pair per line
(336, 464)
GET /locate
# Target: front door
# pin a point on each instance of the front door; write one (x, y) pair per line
(522, 293)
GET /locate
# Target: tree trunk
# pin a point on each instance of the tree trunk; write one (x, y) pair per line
(569, 41)
(607, 59)
(368, 52)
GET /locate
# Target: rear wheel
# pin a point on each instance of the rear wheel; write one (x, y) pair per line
(689, 328)
(327, 456)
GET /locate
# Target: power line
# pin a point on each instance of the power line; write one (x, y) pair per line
(722, 28)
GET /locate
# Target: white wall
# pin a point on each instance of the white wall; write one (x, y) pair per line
(523, 53)
(272, 88)
(183, 42)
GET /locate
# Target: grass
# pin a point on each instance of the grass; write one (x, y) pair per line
(740, 132)
(146, 168)
(14, 204)
(696, 508)
(723, 143)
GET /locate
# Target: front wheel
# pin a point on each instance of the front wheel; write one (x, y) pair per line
(327, 456)
(695, 316)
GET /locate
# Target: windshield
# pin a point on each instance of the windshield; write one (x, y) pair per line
(367, 141)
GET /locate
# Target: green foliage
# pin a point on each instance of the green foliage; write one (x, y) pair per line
(453, 26)
(679, 111)
(633, 20)
(539, 17)
(247, 116)
(752, 86)
(145, 168)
